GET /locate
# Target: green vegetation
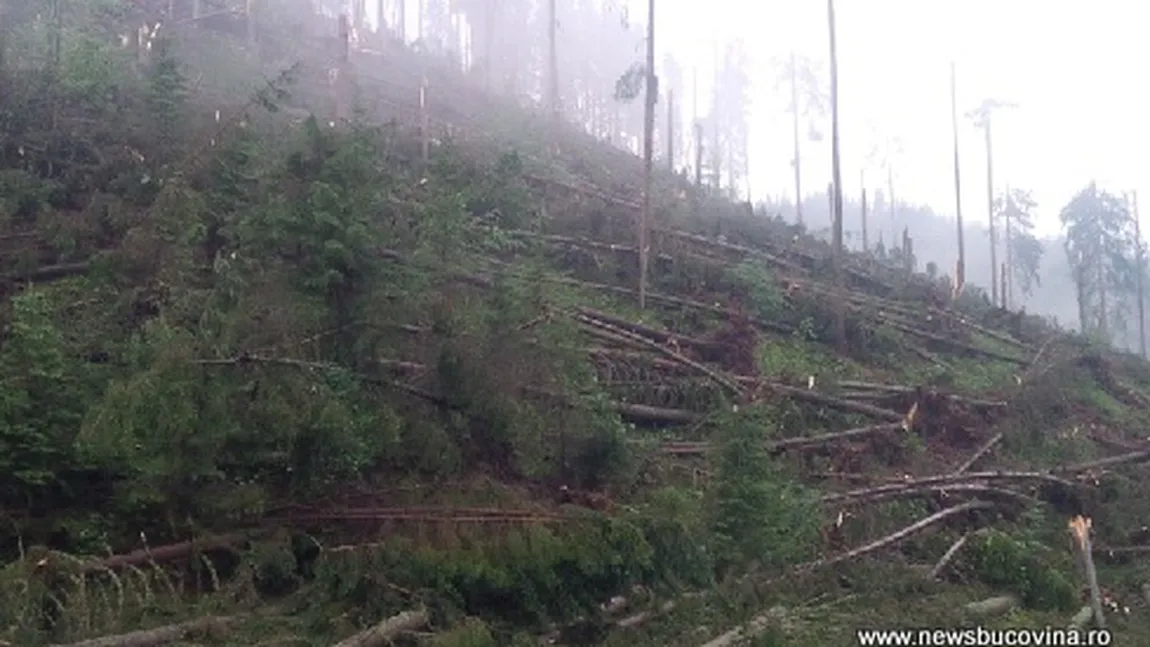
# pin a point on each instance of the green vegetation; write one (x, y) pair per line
(366, 383)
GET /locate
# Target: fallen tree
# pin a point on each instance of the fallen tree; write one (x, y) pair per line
(742, 631)
(387, 630)
(161, 635)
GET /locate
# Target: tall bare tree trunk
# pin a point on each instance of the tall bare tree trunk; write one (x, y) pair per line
(488, 43)
(342, 109)
(836, 179)
(1008, 240)
(865, 236)
(960, 267)
(796, 162)
(401, 19)
(747, 165)
(890, 190)
(990, 215)
(1140, 277)
(552, 62)
(698, 156)
(648, 146)
(670, 129)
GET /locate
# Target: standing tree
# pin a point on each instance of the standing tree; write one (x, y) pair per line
(960, 268)
(1100, 247)
(808, 101)
(730, 114)
(836, 178)
(1140, 271)
(1015, 208)
(981, 118)
(626, 89)
(671, 81)
(552, 62)
(652, 91)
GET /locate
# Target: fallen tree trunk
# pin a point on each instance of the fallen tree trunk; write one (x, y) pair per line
(688, 448)
(161, 554)
(903, 389)
(816, 397)
(944, 481)
(735, 634)
(948, 556)
(644, 413)
(384, 632)
(954, 343)
(802, 442)
(894, 537)
(978, 454)
(1121, 459)
(968, 488)
(719, 378)
(661, 336)
(160, 635)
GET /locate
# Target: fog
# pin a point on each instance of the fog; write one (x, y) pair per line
(1072, 119)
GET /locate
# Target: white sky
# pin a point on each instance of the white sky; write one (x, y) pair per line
(1070, 67)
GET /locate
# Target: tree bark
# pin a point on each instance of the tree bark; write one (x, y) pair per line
(836, 179)
(1141, 274)
(795, 111)
(648, 151)
(384, 632)
(960, 267)
(990, 214)
(160, 635)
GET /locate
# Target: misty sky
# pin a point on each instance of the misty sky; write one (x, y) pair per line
(1068, 65)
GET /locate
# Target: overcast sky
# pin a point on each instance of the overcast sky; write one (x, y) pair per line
(1070, 67)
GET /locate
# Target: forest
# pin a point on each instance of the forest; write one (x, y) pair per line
(330, 325)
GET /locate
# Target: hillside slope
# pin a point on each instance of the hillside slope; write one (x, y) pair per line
(284, 380)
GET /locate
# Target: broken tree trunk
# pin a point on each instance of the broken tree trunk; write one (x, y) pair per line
(815, 397)
(162, 554)
(1080, 541)
(945, 480)
(384, 632)
(905, 533)
(160, 635)
(948, 556)
(978, 454)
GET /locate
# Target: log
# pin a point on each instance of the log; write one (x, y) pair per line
(688, 448)
(160, 635)
(661, 336)
(865, 549)
(1079, 528)
(802, 442)
(978, 454)
(644, 413)
(945, 480)
(816, 397)
(754, 627)
(989, 607)
(977, 489)
(948, 556)
(892, 538)
(1109, 461)
(718, 377)
(161, 554)
(1079, 620)
(384, 632)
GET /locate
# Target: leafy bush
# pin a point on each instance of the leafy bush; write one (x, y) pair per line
(1023, 567)
(762, 514)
